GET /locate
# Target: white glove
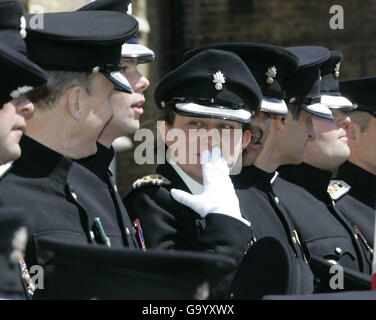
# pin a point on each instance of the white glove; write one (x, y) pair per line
(219, 195)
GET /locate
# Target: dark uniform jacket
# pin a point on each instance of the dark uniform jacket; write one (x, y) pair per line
(262, 208)
(323, 230)
(169, 225)
(116, 222)
(359, 204)
(50, 187)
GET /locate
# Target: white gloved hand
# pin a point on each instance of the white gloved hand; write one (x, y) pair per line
(219, 194)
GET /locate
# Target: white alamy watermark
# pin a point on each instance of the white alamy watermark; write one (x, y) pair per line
(36, 21)
(337, 21)
(336, 282)
(185, 147)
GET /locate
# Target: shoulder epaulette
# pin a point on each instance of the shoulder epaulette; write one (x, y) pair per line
(152, 179)
(338, 188)
(5, 168)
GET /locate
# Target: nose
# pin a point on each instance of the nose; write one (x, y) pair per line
(142, 84)
(24, 107)
(343, 120)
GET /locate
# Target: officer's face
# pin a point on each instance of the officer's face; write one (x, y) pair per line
(329, 149)
(12, 127)
(363, 147)
(253, 149)
(297, 134)
(215, 132)
(97, 108)
(127, 108)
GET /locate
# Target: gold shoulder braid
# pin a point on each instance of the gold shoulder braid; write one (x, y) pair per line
(337, 189)
(152, 179)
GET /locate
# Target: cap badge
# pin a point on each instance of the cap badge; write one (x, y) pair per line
(271, 73)
(219, 79)
(95, 69)
(20, 91)
(336, 69)
(23, 32)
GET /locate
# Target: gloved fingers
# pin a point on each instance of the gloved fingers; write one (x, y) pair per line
(205, 157)
(216, 154)
(183, 197)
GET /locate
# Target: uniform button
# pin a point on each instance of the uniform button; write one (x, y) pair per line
(74, 195)
(293, 239)
(338, 250)
(276, 199)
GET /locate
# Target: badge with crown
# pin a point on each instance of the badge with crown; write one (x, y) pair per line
(219, 80)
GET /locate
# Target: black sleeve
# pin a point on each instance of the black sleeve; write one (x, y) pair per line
(167, 224)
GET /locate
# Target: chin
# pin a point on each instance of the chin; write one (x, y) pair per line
(13, 154)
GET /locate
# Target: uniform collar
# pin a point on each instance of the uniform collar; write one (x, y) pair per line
(313, 179)
(38, 161)
(253, 176)
(99, 163)
(193, 186)
(359, 179)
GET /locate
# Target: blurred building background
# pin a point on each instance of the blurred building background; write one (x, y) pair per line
(171, 27)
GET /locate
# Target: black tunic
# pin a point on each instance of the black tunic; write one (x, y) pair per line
(260, 205)
(324, 231)
(114, 217)
(359, 204)
(52, 190)
(169, 225)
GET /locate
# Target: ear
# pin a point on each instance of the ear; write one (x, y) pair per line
(247, 135)
(353, 133)
(74, 103)
(280, 122)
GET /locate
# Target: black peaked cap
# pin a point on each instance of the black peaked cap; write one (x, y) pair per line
(259, 58)
(329, 84)
(17, 72)
(113, 5)
(131, 48)
(330, 73)
(360, 91)
(107, 273)
(303, 87)
(80, 40)
(214, 78)
(11, 12)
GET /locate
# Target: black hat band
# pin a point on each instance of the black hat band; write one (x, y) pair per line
(73, 58)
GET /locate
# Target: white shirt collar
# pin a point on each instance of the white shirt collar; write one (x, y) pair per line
(193, 186)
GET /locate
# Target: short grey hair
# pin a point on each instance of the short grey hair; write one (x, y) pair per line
(361, 118)
(59, 82)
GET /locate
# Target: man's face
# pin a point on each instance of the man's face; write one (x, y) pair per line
(216, 133)
(127, 108)
(366, 151)
(296, 135)
(97, 107)
(329, 149)
(253, 149)
(12, 127)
